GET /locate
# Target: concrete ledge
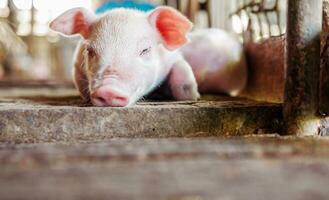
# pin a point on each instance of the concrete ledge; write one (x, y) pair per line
(47, 119)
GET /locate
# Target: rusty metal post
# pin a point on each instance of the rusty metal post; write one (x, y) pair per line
(324, 70)
(304, 24)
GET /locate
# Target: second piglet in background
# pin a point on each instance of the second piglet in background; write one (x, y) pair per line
(126, 54)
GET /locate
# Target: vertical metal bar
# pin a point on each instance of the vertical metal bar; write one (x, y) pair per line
(179, 5)
(172, 3)
(209, 13)
(324, 70)
(192, 9)
(304, 24)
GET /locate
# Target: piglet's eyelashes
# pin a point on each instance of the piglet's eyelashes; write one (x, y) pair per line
(145, 51)
(92, 53)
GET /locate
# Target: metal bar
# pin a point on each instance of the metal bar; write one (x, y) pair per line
(173, 3)
(209, 13)
(304, 24)
(324, 70)
(192, 9)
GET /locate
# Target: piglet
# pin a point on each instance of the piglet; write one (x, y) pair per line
(126, 54)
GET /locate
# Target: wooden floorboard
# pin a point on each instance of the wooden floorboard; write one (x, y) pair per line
(253, 167)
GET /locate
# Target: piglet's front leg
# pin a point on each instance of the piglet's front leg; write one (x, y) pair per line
(182, 82)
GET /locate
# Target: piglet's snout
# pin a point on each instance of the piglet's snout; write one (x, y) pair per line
(107, 96)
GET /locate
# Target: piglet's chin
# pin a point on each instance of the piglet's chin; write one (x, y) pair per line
(105, 96)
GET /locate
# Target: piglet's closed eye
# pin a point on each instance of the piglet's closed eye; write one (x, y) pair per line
(171, 25)
(74, 21)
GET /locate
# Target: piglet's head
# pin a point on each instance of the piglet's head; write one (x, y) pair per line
(122, 51)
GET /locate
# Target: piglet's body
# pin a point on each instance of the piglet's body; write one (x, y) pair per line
(218, 61)
(126, 54)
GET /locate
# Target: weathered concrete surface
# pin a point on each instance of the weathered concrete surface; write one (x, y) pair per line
(34, 91)
(169, 169)
(47, 119)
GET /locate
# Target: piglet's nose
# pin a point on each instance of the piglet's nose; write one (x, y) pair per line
(106, 96)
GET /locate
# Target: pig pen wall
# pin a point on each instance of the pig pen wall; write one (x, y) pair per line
(261, 26)
(291, 68)
(266, 56)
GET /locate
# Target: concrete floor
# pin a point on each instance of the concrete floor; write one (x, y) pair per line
(52, 146)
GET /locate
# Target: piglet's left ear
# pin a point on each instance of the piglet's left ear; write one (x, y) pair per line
(171, 25)
(74, 21)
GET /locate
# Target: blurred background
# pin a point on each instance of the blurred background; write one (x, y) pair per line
(31, 54)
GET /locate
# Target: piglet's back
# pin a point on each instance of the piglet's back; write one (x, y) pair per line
(218, 61)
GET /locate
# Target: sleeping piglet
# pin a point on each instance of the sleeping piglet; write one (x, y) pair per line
(125, 54)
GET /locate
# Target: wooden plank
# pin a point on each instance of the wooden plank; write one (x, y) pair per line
(253, 168)
(304, 25)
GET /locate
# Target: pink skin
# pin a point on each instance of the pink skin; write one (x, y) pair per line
(218, 61)
(126, 54)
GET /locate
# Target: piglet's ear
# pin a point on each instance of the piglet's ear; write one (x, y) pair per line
(171, 25)
(74, 21)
